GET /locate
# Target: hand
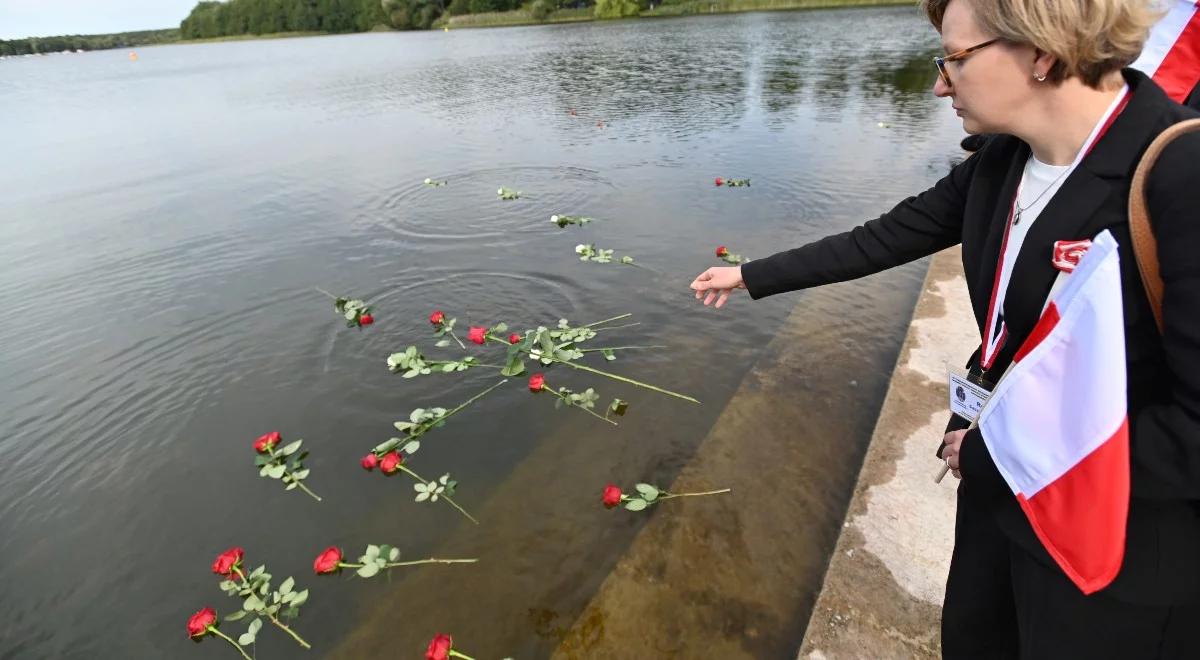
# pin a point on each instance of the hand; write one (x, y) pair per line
(718, 282)
(953, 441)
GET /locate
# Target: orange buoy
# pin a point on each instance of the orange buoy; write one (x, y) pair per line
(132, 56)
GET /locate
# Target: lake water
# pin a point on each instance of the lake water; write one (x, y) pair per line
(163, 224)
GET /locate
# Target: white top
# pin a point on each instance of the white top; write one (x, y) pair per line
(1039, 183)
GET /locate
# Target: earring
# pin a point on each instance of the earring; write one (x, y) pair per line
(1040, 77)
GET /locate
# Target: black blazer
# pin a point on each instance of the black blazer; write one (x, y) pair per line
(970, 205)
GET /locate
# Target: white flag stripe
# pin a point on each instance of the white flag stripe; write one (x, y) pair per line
(1163, 36)
(1063, 400)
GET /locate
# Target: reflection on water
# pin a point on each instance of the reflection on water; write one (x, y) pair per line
(164, 223)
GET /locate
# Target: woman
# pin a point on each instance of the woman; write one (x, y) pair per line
(1050, 78)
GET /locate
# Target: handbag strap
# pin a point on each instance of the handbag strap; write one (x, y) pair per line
(1145, 247)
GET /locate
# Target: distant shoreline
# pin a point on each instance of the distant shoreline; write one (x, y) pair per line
(519, 17)
(514, 18)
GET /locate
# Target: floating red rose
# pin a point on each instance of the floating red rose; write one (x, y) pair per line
(719, 181)
(391, 462)
(267, 442)
(439, 647)
(227, 561)
(612, 496)
(199, 623)
(327, 561)
(369, 461)
(477, 335)
(722, 251)
(366, 319)
(537, 382)
(437, 317)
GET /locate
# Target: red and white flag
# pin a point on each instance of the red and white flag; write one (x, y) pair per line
(1056, 425)
(1171, 55)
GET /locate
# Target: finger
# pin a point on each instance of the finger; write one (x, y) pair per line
(701, 281)
(956, 473)
(709, 298)
(724, 296)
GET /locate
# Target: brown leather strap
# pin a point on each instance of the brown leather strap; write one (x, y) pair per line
(1145, 247)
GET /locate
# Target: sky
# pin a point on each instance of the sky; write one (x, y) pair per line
(43, 18)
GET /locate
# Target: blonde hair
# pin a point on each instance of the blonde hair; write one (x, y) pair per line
(1089, 38)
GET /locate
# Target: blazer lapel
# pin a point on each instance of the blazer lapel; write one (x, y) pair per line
(994, 234)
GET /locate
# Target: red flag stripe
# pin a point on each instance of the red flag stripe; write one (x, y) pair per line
(1040, 331)
(1180, 69)
(1080, 517)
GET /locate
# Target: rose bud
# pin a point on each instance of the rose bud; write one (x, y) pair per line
(227, 561)
(612, 496)
(369, 461)
(477, 335)
(722, 251)
(266, 443)
(366, 319)
(437, 318)
(719, 181)
(537, 383)
(439, 647)
(199, 623)
(391, 462)
(327, 561)
(514, 338)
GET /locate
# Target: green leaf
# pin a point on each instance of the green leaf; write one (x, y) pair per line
(649, 492)
(636, 504)
(301, 474)
(515, 367)
(412, 373)
(291, 486)
(394, 554)
(287, 585)
(300, 599)
(412, 447)
(291, 447)
(372, 551)
(368, 570)
(252, 603)
(246, 639)
(443, 343)
(264, 470)
(500, 328)
(608, 354)
(276, 471)
(422, 496)
(254, 626)
(240, 614)
(261, 460)
(391, 444)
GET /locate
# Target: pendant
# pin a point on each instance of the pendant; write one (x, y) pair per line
(1017, 217)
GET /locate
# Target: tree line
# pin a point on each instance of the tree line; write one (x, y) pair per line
(36, 45)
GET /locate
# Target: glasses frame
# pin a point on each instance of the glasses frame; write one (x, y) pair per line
(940, 62)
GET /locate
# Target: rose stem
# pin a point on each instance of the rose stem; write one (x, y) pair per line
(443, 495)
(284, 628)
(586, 410)
(218, 633)
(707, 492)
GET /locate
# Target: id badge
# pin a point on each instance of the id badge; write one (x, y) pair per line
(967, 398)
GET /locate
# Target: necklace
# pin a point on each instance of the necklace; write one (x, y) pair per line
(1017, 214)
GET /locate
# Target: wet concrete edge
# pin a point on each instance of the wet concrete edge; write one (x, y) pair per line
(881, 596)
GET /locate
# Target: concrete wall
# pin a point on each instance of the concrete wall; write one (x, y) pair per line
(882, 592)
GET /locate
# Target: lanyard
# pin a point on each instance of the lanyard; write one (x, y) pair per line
(994, 337)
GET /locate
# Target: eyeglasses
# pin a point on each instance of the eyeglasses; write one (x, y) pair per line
(940, 62)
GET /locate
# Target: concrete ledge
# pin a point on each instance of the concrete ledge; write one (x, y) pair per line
(882, 592)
